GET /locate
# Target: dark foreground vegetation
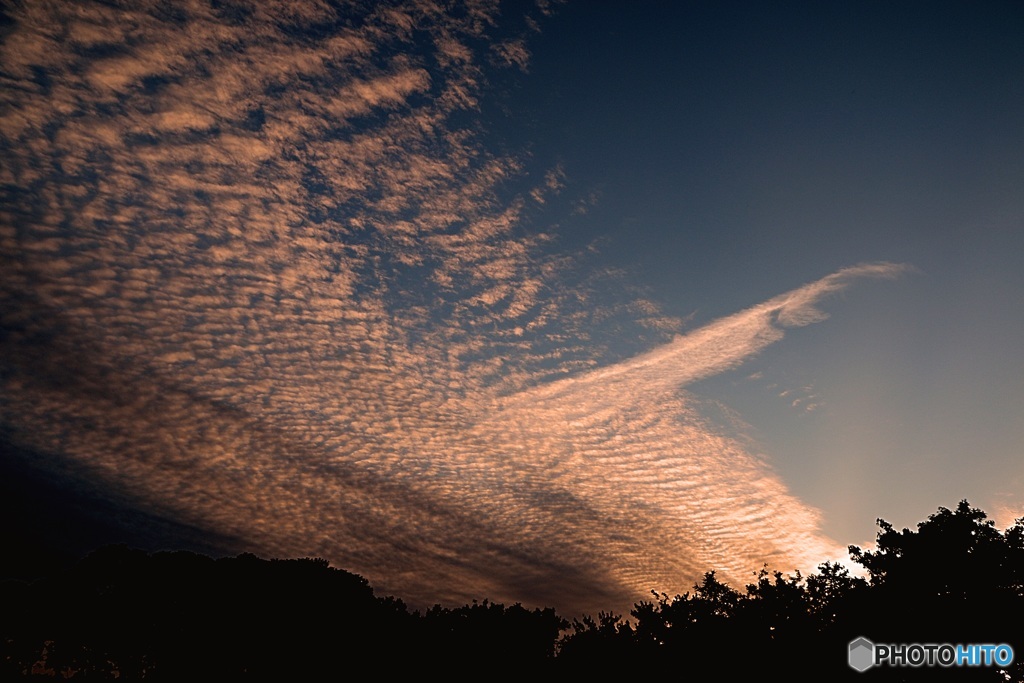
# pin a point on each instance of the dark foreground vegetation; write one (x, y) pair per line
(178, 616)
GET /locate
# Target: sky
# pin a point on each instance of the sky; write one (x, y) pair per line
(551, 303)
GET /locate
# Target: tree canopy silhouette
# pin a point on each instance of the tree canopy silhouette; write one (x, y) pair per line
(127, 614)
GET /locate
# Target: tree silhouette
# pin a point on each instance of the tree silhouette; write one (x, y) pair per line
(594, 646)
(955, 579)
(124, 614)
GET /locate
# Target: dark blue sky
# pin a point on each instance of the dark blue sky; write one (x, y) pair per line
(782, 141)
(739, 149)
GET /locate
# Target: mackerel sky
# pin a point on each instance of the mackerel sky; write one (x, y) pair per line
(545, 302)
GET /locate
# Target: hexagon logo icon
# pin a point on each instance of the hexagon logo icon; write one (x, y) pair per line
(862, 654)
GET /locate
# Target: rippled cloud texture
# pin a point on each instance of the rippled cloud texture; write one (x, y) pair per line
(262, 277)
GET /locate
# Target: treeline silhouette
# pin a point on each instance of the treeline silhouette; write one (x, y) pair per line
(175, 616)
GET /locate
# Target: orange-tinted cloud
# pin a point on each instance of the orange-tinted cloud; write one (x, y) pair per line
(257, 279)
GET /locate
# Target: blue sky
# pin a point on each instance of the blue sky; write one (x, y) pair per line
(738, 150)
(544, 303)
